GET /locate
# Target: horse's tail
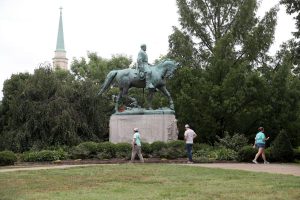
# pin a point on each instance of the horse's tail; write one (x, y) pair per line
(109, 79)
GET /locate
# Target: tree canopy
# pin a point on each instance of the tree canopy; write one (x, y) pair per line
(228, 83)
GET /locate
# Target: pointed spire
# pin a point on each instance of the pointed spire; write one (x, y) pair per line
(60, 44)
(60, 60)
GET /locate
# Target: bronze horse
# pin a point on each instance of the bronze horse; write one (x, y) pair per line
(127, 78)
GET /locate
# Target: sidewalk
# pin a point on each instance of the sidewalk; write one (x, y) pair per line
(288, 169)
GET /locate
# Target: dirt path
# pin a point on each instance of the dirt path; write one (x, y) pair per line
(289, 169)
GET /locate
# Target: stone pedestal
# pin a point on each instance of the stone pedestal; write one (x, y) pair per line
(158, 125)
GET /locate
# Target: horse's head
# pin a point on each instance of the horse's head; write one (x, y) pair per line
(171, 66)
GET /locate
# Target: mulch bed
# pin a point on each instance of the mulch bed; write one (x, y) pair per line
(97, 161)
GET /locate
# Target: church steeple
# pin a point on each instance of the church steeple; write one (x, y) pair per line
(60, 60)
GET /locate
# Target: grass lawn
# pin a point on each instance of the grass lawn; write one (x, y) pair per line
(146, 181)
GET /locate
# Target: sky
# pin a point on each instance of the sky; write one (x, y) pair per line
(28, 30)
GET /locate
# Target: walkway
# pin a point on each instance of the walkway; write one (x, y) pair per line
(289, 169)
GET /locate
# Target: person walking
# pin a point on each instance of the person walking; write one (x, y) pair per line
(189, 136)
(260, 143)
(136, 145)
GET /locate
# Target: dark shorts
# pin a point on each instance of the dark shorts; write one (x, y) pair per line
(260, 145)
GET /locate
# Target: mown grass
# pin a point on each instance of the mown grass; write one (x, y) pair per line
(146, 181)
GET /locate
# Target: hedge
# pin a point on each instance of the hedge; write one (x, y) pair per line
(7, 158)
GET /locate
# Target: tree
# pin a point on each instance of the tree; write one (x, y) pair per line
(281, 149)
(223, 43)
(293, 7)
(51, 108)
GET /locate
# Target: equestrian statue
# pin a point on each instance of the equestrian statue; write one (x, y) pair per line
(146, 76)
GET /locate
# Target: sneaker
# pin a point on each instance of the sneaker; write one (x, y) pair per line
(254, 161)
(190, 162)
(266, 162)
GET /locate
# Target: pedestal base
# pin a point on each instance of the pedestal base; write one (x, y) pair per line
(152, 127)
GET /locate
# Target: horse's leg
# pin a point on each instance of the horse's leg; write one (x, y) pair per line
(125, 94)
(118, 100)
(164, 90)
(149, 99)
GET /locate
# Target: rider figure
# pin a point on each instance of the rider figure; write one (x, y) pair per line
(143, 66)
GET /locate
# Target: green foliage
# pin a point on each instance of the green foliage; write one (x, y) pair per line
(293, 7)
(53, 108)
(175, 149)
(123, 150)
(106, 150)
(234, 142)
(7, 158)
(44, 155)
(297, 153)
(158, 148)
(214, 154)
(202, 146)
(281, 148)
(228, 82)
(84, 150)
(146, 150)
(225, 154)
(246, 153)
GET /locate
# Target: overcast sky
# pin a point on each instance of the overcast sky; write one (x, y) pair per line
(28, 29)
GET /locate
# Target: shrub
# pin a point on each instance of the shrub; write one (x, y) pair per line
(123, 150)
(146, 150)
(44, 155)
(235, 142)
(246, 153)
(202, 146)
(297, 153)
(213, 154)
(106, 150)
(89, 146)
(157, 149)
(282, 149)
(7, 158)
(84, 150)
(79, 153)
(175, 149)
(204, 155)
(225, 154)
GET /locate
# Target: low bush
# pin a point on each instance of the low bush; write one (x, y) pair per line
(225, 154)
(44, 155)
(202, 146)
(106, 150)
(123, 150)
(214, 154)
(234, 142)
(84, 150)
(146, 150)
(204, 155)
(246, 153)
(174, 149)
(158, 149)
(7, 158)
(297, 153)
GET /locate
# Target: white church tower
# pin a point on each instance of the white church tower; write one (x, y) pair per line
(60, 61)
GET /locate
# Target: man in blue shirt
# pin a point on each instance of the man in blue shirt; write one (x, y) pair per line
(136, 146)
